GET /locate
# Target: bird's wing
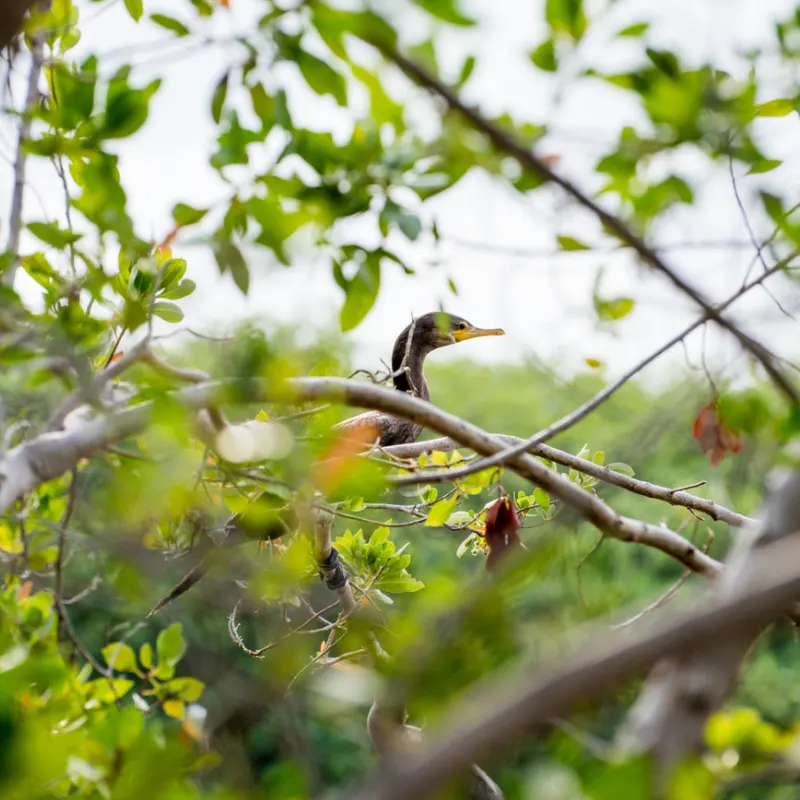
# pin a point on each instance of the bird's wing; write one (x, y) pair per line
(360, 425)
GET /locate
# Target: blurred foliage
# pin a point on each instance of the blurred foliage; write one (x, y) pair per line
(97, 699)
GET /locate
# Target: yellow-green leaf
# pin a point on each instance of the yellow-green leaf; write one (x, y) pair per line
(440, 512)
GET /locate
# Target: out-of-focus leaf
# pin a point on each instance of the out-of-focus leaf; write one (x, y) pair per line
(445, 10)
(135, 8)
(569, 243)
(544, 56)
(171, 24)
(50, 233)
(775, 108)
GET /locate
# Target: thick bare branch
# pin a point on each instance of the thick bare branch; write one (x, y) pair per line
(669, 717)
(503, 709)
(52, 454)
(645, 488)
(533, 165)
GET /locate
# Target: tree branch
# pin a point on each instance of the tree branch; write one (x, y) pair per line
(10, 20)
(531, 164)
(675, 497)
(567, 421)
(12, 13)
(669, 717)
(503, 709)
(51, 454)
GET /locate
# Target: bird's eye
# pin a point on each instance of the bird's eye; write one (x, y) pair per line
(462, 326)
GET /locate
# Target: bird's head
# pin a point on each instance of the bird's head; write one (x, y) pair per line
(439, 329)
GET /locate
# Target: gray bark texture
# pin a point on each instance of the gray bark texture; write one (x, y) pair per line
(669, 717)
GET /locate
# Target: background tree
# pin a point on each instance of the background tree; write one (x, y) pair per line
(123, 450)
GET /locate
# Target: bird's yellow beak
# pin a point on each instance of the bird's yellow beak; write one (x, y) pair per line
(474, 333)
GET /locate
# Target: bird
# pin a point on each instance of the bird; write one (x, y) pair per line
(416, 341)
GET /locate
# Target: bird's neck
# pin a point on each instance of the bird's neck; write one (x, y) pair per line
(407, 366)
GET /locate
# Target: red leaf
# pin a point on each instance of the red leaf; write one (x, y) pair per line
(342, 453)
(502, 531)
(713, 436)
(168, 240)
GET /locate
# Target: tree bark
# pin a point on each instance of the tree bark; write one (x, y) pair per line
(12, 13)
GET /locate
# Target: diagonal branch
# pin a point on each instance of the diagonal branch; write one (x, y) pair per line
(531, 164)
(47, 456)
(675, 497)
(503, 709)
(575, 416)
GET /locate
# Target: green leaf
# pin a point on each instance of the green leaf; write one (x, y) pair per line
(171, 645)
(146, 655)
(775, 108)
(634, 30)
(665, 61)
(440, 512)
(218, 98)
(108, 690)
(186, 215)
(599, 458)
(126, 108)
(594, 363)
(568, 243)
(622, 468)
(614, 309)
(408, 223)
(135, 8)
(186, 689)
(541, 498)
(361, 293)
(763, 165)
(73, 93)
(774, 207)
(170, 23)
(264, 106)
(398, 584)
(567, 17)
(229, 257)
(50, 233)
(120, 657)
(321, 77)
(466, 545)
(445, 10)
(169, 312)
(544, 56)
(180, 290)
(467, 69)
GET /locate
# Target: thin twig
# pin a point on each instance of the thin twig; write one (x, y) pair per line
(675, 497)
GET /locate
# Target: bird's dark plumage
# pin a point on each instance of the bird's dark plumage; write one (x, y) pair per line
(421, 337)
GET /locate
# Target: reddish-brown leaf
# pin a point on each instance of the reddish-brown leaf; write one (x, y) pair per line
(713, 436)
(346, 447)
(166, 243)
(502, 531)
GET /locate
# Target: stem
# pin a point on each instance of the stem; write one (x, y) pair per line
(31, 101)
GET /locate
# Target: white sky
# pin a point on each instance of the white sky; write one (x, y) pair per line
(544, 304)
